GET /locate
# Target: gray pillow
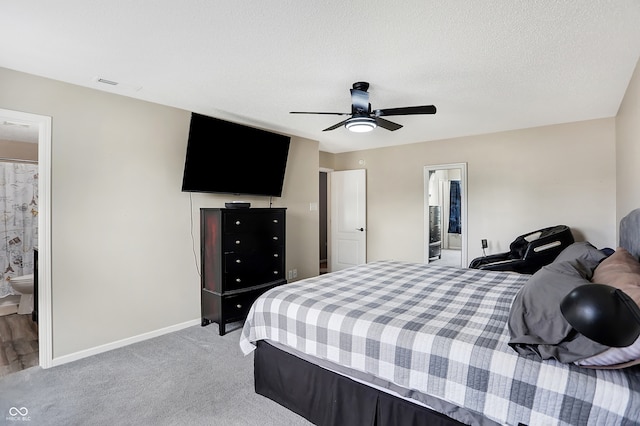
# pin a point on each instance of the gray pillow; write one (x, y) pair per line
(583, 252)
(537, 326)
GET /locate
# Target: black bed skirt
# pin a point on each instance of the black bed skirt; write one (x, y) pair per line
(327, 398)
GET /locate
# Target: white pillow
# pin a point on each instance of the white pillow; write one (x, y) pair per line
(614, 357)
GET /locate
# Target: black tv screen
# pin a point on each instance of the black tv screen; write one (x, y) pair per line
(229, 158)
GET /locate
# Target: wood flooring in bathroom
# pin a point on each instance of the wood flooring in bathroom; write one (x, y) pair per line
(18, 343)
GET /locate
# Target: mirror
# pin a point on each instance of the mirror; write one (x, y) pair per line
(445, 214)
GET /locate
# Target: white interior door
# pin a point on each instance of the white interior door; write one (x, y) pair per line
(348, 219)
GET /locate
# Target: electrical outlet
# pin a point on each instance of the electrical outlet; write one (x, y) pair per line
(290, 274)
(295, 273)
(484, 244)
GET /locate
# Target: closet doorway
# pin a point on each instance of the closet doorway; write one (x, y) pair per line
(445, 214)
(323, 215)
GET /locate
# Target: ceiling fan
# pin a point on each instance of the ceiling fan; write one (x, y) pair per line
(363, 119)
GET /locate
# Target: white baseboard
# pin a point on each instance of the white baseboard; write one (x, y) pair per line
(8, 309)
(9, 305)
(121, 343)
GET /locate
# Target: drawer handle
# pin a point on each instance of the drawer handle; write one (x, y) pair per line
(238, 261)
(276, 255)
(275, 272)
(275, 220)
(237, 222)
(275, 238)
(238, 280)
(239, 306)
(237, 242)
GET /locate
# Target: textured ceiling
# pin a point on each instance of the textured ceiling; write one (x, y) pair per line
(487, 65)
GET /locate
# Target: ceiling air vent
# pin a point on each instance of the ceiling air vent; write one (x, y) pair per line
(105, 81)
(116, 84)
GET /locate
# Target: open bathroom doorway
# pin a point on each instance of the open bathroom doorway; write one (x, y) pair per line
(24, 136)
(445, 214)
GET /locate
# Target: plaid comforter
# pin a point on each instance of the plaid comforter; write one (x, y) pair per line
(440, 331)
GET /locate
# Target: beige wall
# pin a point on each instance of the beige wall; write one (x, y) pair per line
(518, 181)
(123, 260)
(18, 150)
(628, 149)
(327, 160)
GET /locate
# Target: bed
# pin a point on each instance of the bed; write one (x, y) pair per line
(398, 343)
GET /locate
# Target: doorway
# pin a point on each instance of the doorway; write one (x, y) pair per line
(323, 215)
(342, 217)
(445, 214)
(43, 292)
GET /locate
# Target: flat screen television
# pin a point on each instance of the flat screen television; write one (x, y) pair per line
(229, 158)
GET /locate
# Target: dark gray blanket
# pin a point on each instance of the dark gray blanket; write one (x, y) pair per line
(536, 324)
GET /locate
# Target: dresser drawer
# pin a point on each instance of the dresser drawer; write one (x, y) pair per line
(240, 280)
(256, 260)
(237, 306)
(237, 242)
(246, 222)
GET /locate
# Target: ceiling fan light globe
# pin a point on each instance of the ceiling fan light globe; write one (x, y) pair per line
(361, 124)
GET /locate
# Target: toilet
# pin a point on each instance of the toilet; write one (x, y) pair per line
(24, 286)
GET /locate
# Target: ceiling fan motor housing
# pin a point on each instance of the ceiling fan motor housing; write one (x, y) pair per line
(361, 85)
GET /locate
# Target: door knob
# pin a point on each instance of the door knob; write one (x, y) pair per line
(360, 229)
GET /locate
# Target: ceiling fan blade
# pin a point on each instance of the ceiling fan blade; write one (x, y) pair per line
(324, 113)
(424, 109)
(335, 126)
(386, 124)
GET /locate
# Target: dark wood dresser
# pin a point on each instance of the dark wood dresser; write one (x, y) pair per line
(243, 255)
(435, 230)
